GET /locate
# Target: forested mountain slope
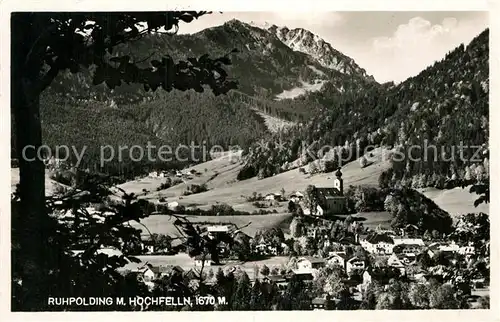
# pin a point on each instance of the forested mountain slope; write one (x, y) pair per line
(444, 105)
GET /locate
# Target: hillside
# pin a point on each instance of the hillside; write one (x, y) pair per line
(456, 201)
(220, 176)
(444, 105)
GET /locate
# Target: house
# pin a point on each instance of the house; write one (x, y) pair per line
(408, 246)
(218, 229)
(273, 196)
(279, 280)
(146, 273)
(382, 275)
(418, 242)
(409, 258)
(337, 259)
(354, 264)
(322, 303)
(367, 277)
(396, 261)
(296, 196)
(306, 277)
(148, 248)
(215, 230)
(108, 251)
(173, 205)
(379, 244)
(262, 249)
(160, 271)
(467, 250)
(266, 249)
(442, 247)
(202, 261)
(308, 263)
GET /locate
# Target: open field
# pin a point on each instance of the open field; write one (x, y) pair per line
(220, 177)
(455, 201)
(162, 224)
(186, 262)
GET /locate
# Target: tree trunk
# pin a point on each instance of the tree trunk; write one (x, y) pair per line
(31, 233)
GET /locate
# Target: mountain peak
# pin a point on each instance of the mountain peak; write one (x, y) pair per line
(305, 41)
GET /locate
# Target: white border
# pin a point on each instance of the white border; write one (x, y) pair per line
(7, 6)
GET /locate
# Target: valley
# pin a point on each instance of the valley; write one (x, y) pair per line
(262, 153)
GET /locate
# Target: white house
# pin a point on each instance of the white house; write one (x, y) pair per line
(444, 247)
(273, 196)
(354, 263)
(146, 273)
(217, 229)
(308, 263)
(408, 245)
(296, 196)
(408, 241)
(467, 250)
(337, 259)
(172, 205)
(380, 244)
(148, 248)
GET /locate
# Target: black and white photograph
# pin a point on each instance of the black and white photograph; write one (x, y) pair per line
(248, 160)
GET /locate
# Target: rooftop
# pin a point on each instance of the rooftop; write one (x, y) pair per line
(312, 259)
(319, 301)
(166, 269)
(203, 257)
(221, 228)
(408, 241)
(380, 238)
(276, 278)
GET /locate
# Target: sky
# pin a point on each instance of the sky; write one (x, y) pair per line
(391, 46)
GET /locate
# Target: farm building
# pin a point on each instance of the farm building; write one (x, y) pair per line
(296, 196)
(273, 196)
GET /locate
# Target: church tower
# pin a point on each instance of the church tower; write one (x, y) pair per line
(339, 183)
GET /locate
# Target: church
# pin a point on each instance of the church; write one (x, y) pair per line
(329, 200)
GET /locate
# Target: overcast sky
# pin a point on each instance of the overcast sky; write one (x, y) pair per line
(389, 45)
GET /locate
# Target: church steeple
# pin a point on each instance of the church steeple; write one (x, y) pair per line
(339, 183)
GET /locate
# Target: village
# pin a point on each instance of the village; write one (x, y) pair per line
(322, 238)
